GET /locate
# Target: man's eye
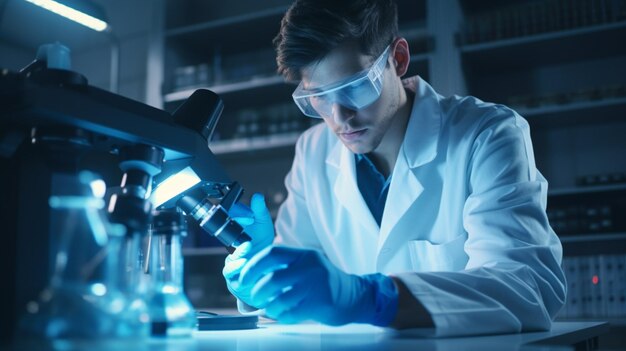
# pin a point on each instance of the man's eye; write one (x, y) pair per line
(318, 102)
(356, 86)
(353, 90)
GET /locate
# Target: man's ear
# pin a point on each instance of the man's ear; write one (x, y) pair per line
(401, 56)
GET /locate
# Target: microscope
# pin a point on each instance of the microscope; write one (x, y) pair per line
(60, 140)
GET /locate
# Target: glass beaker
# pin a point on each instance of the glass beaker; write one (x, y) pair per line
(83, 299)
(171, 313)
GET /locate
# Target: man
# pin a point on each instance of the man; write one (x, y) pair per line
(405, 208)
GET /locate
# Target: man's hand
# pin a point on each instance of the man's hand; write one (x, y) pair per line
(298, 284)
(258, 224)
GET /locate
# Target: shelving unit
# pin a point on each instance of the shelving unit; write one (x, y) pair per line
(254, 143)
(557, 76)
(566, 74)
(576, 113)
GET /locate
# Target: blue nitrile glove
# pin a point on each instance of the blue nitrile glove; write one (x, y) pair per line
(258, 224)
(294, 285)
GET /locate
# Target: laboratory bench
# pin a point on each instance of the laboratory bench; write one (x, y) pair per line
(312, 336)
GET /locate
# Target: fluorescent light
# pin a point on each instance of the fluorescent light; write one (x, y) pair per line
(73, 14)
(174, 185)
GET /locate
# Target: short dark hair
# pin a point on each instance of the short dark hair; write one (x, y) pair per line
(312, 28)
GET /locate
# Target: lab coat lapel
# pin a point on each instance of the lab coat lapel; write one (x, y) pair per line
(404, 189)
(418, 148)
(346, 189)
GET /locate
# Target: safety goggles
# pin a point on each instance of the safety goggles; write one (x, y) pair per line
(355, 92)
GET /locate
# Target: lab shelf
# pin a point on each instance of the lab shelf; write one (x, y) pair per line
(592, 237)
(586, 189)
(260, 82)
(254, 143)
(547, 48)
(594, 244)
(258, 17)
(599, 111)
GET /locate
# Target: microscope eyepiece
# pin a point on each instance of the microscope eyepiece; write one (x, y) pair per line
(200, 112)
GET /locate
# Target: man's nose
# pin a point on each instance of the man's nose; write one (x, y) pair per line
(342, 114)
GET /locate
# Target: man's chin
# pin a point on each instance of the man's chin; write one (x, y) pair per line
(358, 148)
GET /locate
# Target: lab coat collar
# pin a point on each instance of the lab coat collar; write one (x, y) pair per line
(418, 148)
(422, 133)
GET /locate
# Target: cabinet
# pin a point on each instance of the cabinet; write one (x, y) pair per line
(562, 65)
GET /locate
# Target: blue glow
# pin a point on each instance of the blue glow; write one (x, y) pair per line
(75, 202)
(72, 14)
(99, 289)
(98, 188)
(169, 289)
(174, 185)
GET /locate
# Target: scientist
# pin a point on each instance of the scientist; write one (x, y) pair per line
(405, 208)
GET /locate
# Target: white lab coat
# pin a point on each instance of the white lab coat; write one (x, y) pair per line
(464, 226)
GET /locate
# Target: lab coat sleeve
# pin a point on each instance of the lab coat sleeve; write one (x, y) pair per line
(513, 280)
(293, 221)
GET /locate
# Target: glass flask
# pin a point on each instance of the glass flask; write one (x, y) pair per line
(171, 313)
(84, 299)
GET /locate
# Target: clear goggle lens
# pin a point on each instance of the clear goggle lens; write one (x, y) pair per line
(355, 92)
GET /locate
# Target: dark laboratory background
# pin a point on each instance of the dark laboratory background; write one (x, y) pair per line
(560, 63)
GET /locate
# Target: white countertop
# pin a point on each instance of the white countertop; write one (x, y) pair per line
(272, 336)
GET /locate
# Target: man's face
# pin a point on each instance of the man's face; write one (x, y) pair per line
(361, 130)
